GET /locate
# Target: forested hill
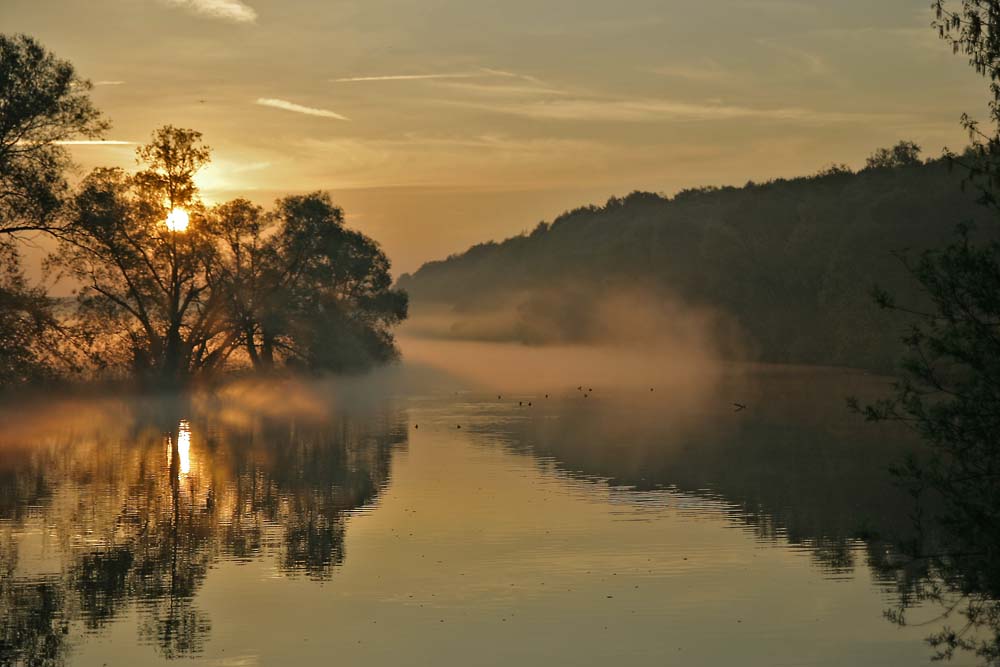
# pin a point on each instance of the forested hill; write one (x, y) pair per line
(788, 264)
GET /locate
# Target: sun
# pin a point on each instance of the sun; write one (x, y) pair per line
(178, 220)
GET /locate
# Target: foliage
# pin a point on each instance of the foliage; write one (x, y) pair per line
(303, 287)
(791, 261)
(44, 102)
(142, 283)
(950, 388)
(27, 323)
(293, 286)
(903, 154)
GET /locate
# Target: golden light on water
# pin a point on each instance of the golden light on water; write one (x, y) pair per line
(183, 448)
(178, 220)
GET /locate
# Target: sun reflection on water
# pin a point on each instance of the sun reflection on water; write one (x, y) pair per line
(183, 448)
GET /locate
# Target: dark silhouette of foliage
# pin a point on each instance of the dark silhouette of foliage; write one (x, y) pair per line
(28, 348)
(790, 261)
(293, 287)
(304, 288)
(903, 154)
(950, 388)
(142, 281)
(44, 102)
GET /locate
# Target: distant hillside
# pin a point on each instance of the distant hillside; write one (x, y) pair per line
(784, 268)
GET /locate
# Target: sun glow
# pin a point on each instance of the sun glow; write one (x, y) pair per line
(178, 220)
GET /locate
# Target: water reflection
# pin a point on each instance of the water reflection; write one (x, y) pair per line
(586, 511)
(182, 449)
(796, 468)
(107, 524)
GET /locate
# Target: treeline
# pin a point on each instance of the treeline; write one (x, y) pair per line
(167, 288)
(788, 264)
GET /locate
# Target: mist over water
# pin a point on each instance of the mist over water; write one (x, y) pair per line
(629, 338)
(510, 502)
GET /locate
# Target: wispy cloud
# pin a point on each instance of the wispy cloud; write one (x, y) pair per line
(481, 73)
(108, 83)
(654, 110)
(230, 10)
(251, 166)
(298, 108)
(405, 77)
(812, 63)
(708, 71)
(503, 89)
(93, 142)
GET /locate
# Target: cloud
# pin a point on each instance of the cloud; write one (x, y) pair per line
(652, 110)
(108, 83)
(404, 77)
(482, 72)
(93, 142)
(812, 63)
(298, 108)
(230, 10)
(503, 89)
(708, 71)
(250, 166)
(480, 160)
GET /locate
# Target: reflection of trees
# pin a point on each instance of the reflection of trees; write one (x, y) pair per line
(795, 470)
(32, 626)
(796, 466)
(949, 586)
(141, 520)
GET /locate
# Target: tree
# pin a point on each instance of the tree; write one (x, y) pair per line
(244, 266)
(304, 289)
(144, 281)
(292, 287)
(42, 102)
(27, 326)
(903, 154)
(950, 389)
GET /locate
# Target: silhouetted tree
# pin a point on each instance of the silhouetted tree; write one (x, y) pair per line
(27, 325)
(293, 287)
(950, 390)
(42, 102)
(789, 261)
(244, 271)
(903, 154)
(304, 289)
(143, 281)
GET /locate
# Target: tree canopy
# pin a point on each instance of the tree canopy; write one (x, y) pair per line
(44, 102)
(949, 390)
(291, 287)
(788, 263)
(903, 154)
(169, 288)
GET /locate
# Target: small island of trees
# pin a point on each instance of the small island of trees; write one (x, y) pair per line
(168, 288)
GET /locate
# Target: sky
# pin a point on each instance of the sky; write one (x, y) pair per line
(438, 124)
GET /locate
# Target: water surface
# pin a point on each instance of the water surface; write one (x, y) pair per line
(402, 521)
